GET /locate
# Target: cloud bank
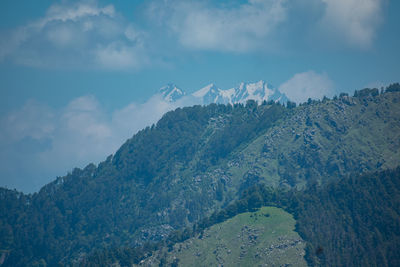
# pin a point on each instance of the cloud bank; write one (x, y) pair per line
(203, 26)
(356, 21)
(83, 34)
(86, 34)
(255, 24)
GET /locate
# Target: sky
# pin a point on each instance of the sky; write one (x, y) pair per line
(78, 78)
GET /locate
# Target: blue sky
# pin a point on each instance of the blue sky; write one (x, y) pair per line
(77, 78)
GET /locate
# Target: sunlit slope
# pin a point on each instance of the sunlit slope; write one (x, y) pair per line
(265, 237)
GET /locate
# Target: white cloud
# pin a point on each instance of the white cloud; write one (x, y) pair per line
(83, 34)
(119, 56)
(356, 21)
(307, 85)
(83, 117)
(234, 28)
(76, 11)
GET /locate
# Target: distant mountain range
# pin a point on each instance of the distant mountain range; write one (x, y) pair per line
(259, 91)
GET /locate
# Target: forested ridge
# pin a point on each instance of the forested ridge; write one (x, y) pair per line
(190, 167)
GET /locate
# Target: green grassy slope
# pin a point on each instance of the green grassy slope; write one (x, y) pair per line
(262, 238)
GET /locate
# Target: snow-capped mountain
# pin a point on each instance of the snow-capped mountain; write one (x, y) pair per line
(171, 92)
(258, 91)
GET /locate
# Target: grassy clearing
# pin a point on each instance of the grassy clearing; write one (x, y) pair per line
(262, 238)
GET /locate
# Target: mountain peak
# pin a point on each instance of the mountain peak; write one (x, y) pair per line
(171, 92)
(259, 91)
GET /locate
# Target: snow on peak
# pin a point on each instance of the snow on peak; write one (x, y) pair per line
(171, 92)
(259, 91)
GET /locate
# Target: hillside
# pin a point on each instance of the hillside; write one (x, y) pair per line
(323, 140)
(266, 236)
(193, 162)
(352, 221)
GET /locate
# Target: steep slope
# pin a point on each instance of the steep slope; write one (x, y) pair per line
(321, 141)
(193, 162)
(264, 237)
